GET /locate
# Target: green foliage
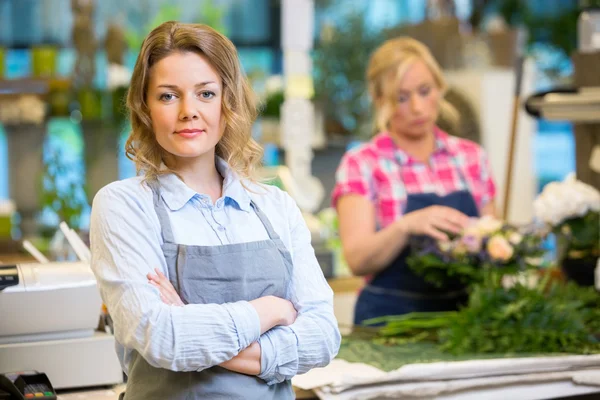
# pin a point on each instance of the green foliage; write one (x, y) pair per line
(340, 62)
(560, 318)
(565, 319)
(213, 16)
(135, 37)
(272, 105)
(581, 234)
(209, 14)
(60, 193)
(559, 29)
(438, 272)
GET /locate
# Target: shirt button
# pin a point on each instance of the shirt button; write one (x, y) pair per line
(221, 228)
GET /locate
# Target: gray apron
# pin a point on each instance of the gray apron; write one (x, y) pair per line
(215, 275)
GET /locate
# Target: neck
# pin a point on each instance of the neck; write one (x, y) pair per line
(419, 148)
(199, 173)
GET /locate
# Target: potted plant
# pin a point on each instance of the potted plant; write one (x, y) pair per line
(118, 75)
(571, 209)
(340, 58)
(271, 110)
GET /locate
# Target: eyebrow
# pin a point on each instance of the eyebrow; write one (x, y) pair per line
(201, 84)
(421, 86)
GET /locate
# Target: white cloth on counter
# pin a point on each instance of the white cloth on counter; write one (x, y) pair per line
(342, 380)
(433, 389)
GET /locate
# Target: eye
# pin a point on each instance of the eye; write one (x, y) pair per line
(425, 91)
(403, 98)
(207, 95)
(167, 97)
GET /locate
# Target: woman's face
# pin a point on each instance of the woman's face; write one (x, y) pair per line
(416, 103)
(184, 98)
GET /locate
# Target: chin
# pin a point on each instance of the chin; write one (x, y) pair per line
(188, 151)
(417, 133)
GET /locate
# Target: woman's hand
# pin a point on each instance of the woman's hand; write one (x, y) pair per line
(273, 311)
(168, 294)
(247, 362)
(434, 221)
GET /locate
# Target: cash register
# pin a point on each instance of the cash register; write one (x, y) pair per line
(49, 315)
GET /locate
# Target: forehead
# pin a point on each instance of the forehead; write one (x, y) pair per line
(416, 74)
(183, 69)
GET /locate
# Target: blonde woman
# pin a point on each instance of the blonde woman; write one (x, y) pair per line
(210, 278)
(410, 179)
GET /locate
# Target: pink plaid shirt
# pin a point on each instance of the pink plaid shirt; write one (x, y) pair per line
(385, 174)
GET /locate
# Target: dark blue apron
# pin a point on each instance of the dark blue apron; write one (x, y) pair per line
(397, 289)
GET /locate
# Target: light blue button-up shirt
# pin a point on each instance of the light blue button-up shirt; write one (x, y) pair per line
(126, 245)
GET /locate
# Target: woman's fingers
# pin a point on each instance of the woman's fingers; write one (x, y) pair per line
(168, 294)
(431, 231)
(162, 280)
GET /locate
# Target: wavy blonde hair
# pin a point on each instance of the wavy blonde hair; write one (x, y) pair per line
(238, 105)
(393, 59)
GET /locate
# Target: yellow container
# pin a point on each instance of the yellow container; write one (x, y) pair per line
(2, 62)
(43, 59)
(7, 211)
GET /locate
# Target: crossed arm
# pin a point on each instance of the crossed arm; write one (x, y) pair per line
(248, 360)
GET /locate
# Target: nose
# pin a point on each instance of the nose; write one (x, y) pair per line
(416, 104)
(188, 110)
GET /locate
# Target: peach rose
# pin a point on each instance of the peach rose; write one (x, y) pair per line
(499, 248)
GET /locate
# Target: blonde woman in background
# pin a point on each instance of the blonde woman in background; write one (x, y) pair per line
(410, 179)
(209, 277)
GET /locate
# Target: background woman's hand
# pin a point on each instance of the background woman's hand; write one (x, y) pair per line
(434, 221)
(168, 294)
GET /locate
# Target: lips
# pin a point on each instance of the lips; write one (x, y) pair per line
(419, 122)
(189, 133)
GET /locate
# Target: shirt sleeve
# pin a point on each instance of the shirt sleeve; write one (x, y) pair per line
(487, 179)
(313, 340)
(126, 245)
(353, 176)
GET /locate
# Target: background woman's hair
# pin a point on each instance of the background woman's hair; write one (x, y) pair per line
(238, 106)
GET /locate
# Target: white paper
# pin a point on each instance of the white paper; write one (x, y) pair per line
(475, 369)
(432, 389)
(587, 378)
(337, 370)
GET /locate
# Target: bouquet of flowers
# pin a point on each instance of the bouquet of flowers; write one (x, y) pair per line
(571, 209)
(487, 244)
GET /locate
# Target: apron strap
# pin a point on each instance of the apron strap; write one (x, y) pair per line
(265, 221)
(454, 160)
(161, 211)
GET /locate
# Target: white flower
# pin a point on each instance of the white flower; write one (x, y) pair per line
(515, 238)
(274, 84)
(485, 225)
(560, 201)
(118, 76)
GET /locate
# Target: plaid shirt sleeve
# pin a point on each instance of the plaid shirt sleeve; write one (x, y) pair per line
(487, 179)
(353, 176)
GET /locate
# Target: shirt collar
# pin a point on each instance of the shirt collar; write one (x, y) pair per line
(387, 147)
(176, 193)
